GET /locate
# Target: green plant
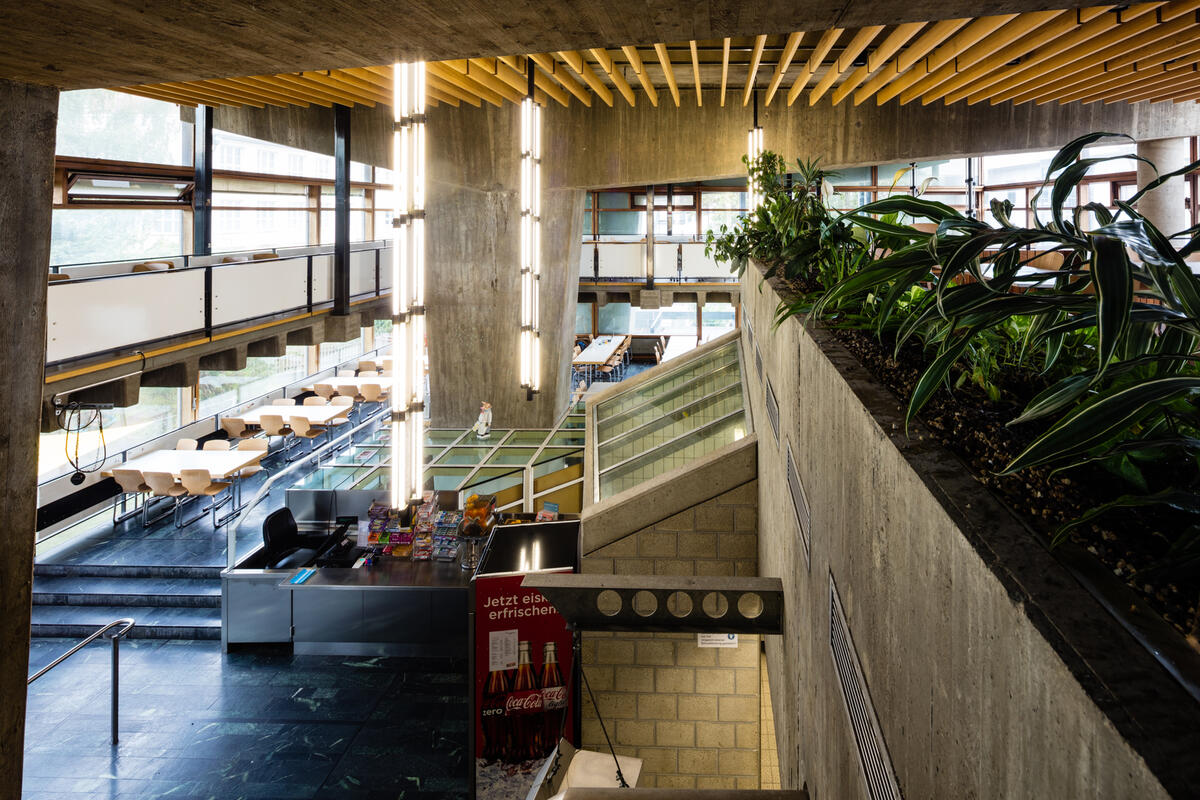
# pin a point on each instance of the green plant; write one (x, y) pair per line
(791, 231)
(1104, 302)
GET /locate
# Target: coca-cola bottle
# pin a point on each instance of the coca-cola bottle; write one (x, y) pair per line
(524, 708)
(492, 716)
(554, 697)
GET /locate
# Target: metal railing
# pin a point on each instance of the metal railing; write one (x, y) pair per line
(126, 624)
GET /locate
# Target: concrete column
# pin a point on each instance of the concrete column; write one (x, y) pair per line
(28, 116)
(1165, 206)
(473, 290)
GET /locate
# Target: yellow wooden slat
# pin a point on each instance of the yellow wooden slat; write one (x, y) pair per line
(602, 58)
(755, 59)
(441, 97)
(157, 94)
(724, 69)
(456, 78)
(265, 94)
(349, 84)
(575, 61)
(447, 88)
(928, 41)
(1171, 81)
(286, 91)
(664, 59)
(1178, 87)
(1108, 78)
(311, 88)
(1083, 69)
(364, 74)
(459, 65)
(1000, 41)
(550, 67)
(635, 60)
(518, 80)
(217, 96)
(696, 72)
(488, 79)
(1134, 20)
(972, 34)
(614, 74)
(844, 61)
(824, 45)
(1063, 30)
(887, 48)
(785, 61)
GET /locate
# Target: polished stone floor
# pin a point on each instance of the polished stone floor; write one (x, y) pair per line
(197, 723)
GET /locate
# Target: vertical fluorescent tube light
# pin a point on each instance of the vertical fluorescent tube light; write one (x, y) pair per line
(754, 149)
(408, 281)
(531, 240)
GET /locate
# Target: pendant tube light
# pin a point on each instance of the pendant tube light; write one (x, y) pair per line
(754, 150)
(531, 239)
(408, 282)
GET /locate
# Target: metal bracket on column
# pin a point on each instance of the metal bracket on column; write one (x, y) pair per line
(662, 604)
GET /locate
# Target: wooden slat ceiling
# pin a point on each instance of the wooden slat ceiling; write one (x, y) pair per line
(1148, 51)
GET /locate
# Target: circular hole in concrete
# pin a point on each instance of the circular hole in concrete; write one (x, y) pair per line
(715, 604)
(645, 603)
(750, 605)
(608, 603)
(679, 604)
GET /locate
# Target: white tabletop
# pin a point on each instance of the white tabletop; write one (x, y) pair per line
(357, 383)
(677, 345)
(314, 414)
(219, 463)
(599, 351)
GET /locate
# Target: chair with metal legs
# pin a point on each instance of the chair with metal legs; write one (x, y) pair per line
(131, 483)
(163, 484)
(199, 483)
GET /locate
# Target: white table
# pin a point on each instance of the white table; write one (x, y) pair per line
(598, 352)
(357, 383)
(679, 344)
(316, 415)
(219, 463)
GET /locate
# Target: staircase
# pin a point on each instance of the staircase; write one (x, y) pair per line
(168, 602)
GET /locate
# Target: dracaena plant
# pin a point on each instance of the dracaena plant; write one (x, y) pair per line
(1114, 326)
(791, 232)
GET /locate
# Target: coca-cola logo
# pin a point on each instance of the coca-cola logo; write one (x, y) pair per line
(554, 696)
(524, 702)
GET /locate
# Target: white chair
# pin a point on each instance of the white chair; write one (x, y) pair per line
(199, 483)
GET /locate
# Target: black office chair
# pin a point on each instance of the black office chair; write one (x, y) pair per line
(285, 548)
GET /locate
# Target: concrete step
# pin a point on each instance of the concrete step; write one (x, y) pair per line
(144, 592)
(124, 571)
(78, 621)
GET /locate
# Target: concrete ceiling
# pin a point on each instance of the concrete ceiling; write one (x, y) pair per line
(77, 44)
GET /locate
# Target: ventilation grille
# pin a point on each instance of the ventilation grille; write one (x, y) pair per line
(872, 751)
(772, 409)
(799, 502)
(758, 361)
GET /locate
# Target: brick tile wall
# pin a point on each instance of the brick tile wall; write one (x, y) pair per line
(692, 714)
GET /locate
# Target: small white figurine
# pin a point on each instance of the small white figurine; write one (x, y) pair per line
(483, 425)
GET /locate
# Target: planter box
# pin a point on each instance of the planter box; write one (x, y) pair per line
(986, 668)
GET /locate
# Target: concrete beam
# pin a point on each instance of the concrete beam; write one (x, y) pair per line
(712, 138)
(343, 328)
(228, 359)
(272, 347)
(28, 118)
(185, 372)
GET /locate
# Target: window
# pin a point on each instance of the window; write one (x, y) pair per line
(79, 236)
(717, 319)
(383, 332)
(157, 412)
(234, 152)
(253, 230)
(98, 123)
(1016, 168)
(222, 389)
(334, 353)
(583, 318)
(679, 318)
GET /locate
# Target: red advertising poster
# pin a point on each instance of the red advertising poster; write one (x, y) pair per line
(522, 660)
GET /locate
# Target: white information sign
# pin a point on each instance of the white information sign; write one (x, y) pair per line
(716, 640)
(502, 650)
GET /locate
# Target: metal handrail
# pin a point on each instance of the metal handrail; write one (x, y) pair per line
(126, 623)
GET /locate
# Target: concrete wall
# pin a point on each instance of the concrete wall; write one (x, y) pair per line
(28, 115)
(621, 146)
(993, 673)
(473, 272)
(691, 713)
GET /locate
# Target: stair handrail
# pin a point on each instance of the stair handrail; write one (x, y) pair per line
(126, 623)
